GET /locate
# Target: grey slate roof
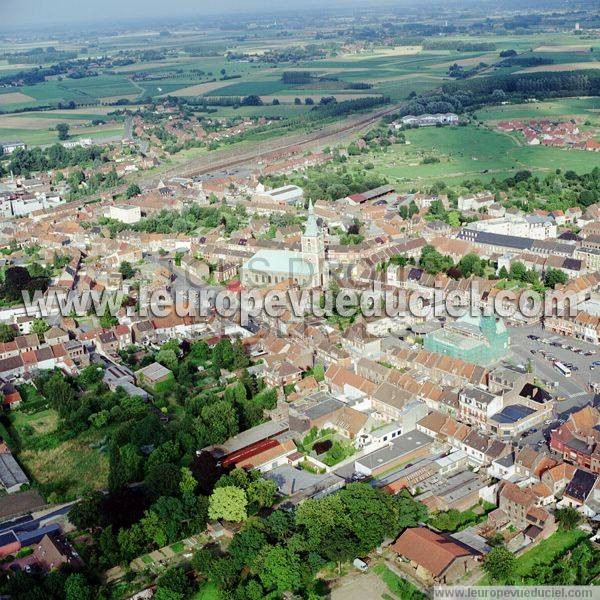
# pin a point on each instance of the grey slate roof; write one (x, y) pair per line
(11, 474)
(495, 239)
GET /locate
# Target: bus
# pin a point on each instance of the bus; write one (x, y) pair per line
(562, 369)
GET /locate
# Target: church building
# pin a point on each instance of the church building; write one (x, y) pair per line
(306, 268)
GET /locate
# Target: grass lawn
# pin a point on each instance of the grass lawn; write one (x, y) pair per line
(548, 550)
(510, 284)
(544, 553)
(454, 520)
(68, 467)
(467, 153)
(178, 547)
(39, 423)
(208, 592)
(400, 588)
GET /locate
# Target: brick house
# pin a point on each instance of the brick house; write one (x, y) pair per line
(578, 439)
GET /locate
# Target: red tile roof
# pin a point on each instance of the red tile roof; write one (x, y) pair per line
(429, 549)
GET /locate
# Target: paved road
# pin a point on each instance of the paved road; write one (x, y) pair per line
(128, 128)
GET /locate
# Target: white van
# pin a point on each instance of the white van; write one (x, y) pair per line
(361, 565)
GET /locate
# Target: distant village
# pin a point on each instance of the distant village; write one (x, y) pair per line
(557, 134)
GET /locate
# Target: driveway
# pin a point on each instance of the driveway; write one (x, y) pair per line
(359, 586)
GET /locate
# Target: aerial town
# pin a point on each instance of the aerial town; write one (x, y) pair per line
(300, 309)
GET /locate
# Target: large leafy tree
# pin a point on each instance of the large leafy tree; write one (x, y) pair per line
(568, 518)
(86, 513)
(221, 420)
(77, 588)
(262, 492)
(499, 564)
(555, 276)
(281, 570)
(228, 503)
(247, 544)
(18, 279)
(355, 520)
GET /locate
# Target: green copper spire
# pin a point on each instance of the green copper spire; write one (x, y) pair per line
(311, 223)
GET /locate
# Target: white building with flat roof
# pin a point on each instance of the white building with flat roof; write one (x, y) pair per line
(126, 213)
(10, 147)
(288, 194)
(529, 226)
(428, 120)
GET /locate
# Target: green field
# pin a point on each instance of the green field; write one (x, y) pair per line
(467, 153)
(588, 108)
(39, 127)
(393, 70)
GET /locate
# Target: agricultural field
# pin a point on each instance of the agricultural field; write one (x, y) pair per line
(563, 108)
(394, 70)
(39, 127)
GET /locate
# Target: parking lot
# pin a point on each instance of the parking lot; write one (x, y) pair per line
(573, 391)
(573, 387)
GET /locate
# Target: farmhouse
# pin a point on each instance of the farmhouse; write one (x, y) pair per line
(434, 557)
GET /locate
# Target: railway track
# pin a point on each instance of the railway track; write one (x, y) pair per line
(221, 160)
